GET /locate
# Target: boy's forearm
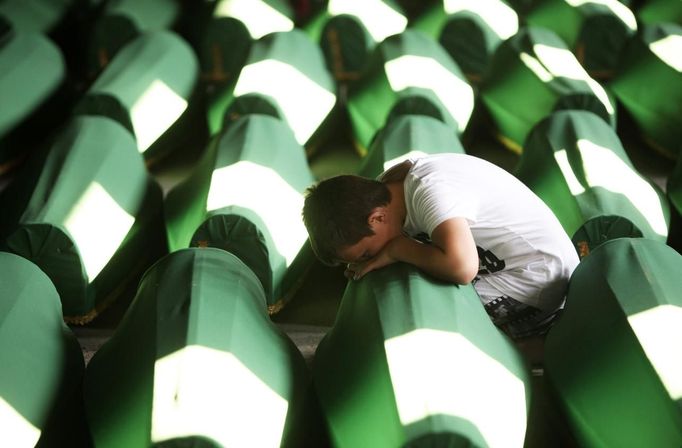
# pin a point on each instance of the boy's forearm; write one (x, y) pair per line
(429, 258)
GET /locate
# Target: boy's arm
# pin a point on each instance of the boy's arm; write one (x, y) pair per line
(452, 256)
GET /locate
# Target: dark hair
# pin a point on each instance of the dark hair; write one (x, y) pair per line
(336, 210)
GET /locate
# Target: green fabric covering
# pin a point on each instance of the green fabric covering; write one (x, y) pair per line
(600, 229)
(657, 11)
(42, 362)
(657, 112)
(90, 216)
(576, 164)
(674, 186)
(33, 69)
(254, 169)
(260, 17)
(251, 103)
(146, 88)
(410, 63)
(223, 49)
(529, 76)
(410, 360)
(121, 21)
(610, 357)
(470, 34)
(289, 69)
(595, 31)
(347, 46)
(196, 361)
(408, 135)
(37, 16)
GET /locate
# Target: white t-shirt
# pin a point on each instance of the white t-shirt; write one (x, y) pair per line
(523, 250)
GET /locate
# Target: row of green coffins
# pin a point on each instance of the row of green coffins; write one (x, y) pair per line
(87, 212)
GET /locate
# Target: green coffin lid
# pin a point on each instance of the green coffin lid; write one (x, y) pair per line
(530, 75)
(600, 229)
(657, 11)
(37, 16)
(260, 17)
(196, 361)
(288, 68)
(91, 216)
(613, 359)
(32, 70)
(408, 136)
(257, 170)
(42, 363)
(146, 87)
(652, 58)
(674, 193)
(121, 21)
(223, 48)
(380, 18)
(414, 362)
(595, 31)
(470, 31)
(408, 63)
(346, 45)
(576, 164)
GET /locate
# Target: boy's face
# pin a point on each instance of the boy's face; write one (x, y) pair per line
(369, 246)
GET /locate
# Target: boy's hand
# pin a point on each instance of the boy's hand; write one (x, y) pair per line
(386, 256)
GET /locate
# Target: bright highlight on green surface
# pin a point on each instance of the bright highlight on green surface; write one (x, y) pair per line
(95, 214)
(259, 16)
(201, 390)
(428, 73)
(16, 429)
(616, 7)
(484, 393)
(501, 18)
(233, 186)
(659, 331)
(157, 108)
(380, 17)
(669, 50)
(304, 102)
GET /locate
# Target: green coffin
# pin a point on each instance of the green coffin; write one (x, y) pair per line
(196, 361)
(348, 31)
(36, 16)
(532, 74)
(470, 31)
(32, 71)
(576, 163)
(595, 31)
(613, 359)
(408, 136)
(408, 64)
(652, 58)
(121, 21)
(254, 169)
(414, 362)
(289, 69)
(147, 88)
(657, 11)
(89, 216)
(42, 362)
(260, 17)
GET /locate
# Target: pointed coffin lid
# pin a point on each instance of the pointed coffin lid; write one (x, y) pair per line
(408, 61)
(146, 87)
(532, 74)
(411, 358)
(38, 352)
(88, 195)
(614, 356)
(257, 170)
(409, 136)
(202, 359)
(289, 68)
(577, 165)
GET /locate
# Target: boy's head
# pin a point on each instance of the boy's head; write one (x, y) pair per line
(336, 213)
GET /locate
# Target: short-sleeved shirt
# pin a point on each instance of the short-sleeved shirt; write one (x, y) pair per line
(523, 250)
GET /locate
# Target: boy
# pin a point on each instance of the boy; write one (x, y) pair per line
(480, 224)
